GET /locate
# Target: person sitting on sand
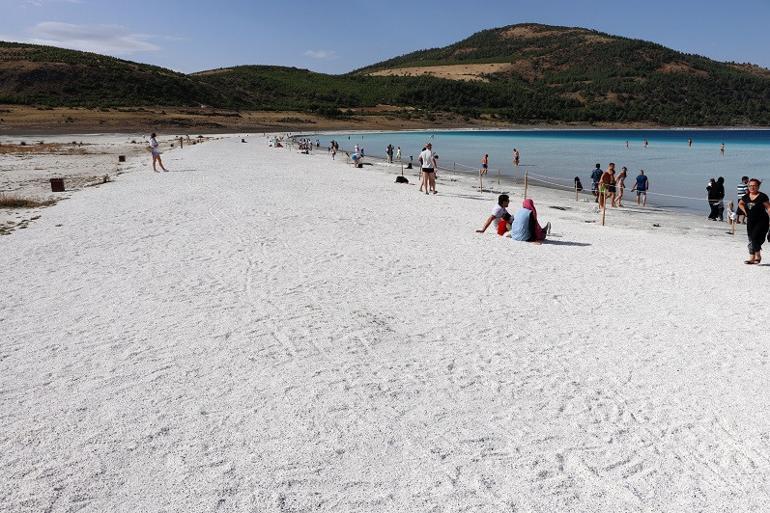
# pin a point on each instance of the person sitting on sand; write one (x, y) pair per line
(756, 207)
(499, 211)
(155, 150)
(525, 226)
(504, 224)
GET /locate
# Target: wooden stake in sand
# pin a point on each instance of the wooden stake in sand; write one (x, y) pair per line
(498, 176)
(604, 206)
(481, 182)
(526, 183)
(576, 193)
(402, 167)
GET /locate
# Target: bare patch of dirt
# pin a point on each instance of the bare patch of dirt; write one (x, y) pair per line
(528, 32)
(37, 148)
(682, 67)
(755, 70)
(526, 69)
(574, 96)
(596, 38)
(467, 72)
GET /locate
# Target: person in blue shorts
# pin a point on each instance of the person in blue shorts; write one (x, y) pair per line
(641, 187)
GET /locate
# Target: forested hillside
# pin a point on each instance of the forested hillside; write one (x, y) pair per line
(520, 73)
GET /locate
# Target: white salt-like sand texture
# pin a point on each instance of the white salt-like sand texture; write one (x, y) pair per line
(259, 330)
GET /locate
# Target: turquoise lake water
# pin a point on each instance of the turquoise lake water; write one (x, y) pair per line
(677, 172)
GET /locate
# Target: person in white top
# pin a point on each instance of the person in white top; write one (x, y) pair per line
(155, 150)
(427, 165)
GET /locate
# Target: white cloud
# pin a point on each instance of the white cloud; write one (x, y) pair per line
(110, 39)
(41, 3)
(321, 54)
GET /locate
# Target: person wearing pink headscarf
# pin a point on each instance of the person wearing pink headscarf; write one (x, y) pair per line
(526, 227)
(540, 231)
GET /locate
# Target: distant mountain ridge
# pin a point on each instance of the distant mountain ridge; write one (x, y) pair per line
(518, 73)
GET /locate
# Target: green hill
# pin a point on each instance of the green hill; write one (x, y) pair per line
(519, 73)
(589, 76)
(45, 75)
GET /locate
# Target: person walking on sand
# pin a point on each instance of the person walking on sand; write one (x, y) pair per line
(716, 195)
(389, 152)
(621, 185)
(155, 150)
(596, 175)
(641, 186)
(741, 191)
(398, 153)
(756, 207)
(427, 164)
(498, 212)
(516, 157)
(484, 164)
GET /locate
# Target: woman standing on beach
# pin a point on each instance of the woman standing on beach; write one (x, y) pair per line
(756, 206)
(621, 185)
(155, 150)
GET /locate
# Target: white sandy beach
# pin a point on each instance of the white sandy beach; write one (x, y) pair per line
(260, 330)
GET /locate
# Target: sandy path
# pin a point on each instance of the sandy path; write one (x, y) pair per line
(266, 331)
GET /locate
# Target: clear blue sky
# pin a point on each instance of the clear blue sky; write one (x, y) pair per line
(336, 36)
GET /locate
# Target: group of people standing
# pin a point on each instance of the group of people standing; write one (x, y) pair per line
(389, 152)
(606, 184)
(516, 159)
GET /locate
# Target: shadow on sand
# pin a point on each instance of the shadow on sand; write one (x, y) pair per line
(565, 243)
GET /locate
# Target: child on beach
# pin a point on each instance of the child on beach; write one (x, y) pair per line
(504, 224)
(497, 213)
(621, 185)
